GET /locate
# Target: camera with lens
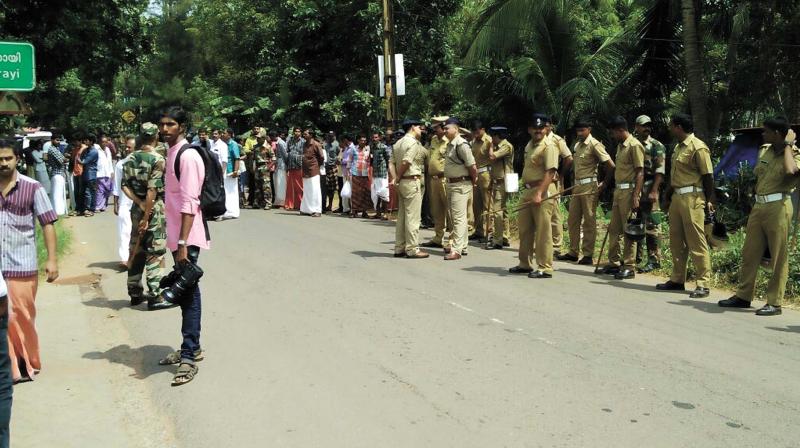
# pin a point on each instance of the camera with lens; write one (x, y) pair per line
(182, 279)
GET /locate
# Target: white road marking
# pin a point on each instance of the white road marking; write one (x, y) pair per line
(497, 321)
(462, 307)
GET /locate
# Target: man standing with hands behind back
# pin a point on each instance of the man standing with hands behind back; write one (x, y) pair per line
(408, 160)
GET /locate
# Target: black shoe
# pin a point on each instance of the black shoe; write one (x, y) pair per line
(670, 286)
(586, 261)
(464, 253)
(338, 210)
(699, 293)
(649, 267)
(400, 255)
(137, 300)
(158, 303)
(494, 247)
(566, 257)
(769, 310)
(431, 244)
(540, 274)
(734, 302)
(519, 270)
(474, 237)
(625, 274)
(506, 243)
(610, 270)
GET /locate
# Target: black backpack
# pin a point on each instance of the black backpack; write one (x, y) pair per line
(212, 195)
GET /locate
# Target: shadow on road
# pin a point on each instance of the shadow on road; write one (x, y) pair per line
(108, 265)
(589, 274)
(709, 307)
(499, 271)
(788, 329)
(143, 361)
(102, 302)
(368, 254)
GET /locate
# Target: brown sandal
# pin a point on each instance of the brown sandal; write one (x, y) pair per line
(186, 373)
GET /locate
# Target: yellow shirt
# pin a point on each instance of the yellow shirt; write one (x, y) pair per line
(588, 154)
(502, 164)
(772, 177)
(249, 144)
(458, 159)
(690, 162)
(408, 149)
(563, 149)
(436, 160)
(630, 155)
(539, 158)
(480, 151)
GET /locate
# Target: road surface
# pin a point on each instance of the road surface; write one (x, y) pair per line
(316, 337)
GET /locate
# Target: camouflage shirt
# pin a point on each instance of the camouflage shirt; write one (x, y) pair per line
(263, 158)
(654, 158)
(145, 170)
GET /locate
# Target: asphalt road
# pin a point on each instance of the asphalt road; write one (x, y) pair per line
(316, 337)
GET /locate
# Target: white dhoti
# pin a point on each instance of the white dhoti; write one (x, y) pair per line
(280, 187)
(71, 189)
(379, 190)
(124, 228)
(58, 194)
(312, 196)
(231, 197)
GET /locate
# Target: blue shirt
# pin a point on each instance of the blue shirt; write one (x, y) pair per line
(89, 160)
(233, 154)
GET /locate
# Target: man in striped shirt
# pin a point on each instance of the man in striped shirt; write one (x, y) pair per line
(22, 198)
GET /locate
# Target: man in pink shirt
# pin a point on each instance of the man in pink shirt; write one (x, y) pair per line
(187, 233)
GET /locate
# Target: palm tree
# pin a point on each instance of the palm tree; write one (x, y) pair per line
(695, 79)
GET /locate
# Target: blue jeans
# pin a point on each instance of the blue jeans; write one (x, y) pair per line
(190, 310)
(6, 385)
(90, 194)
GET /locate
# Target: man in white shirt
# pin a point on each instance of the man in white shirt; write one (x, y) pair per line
(105, 169)
(220, 148)
(122, 205)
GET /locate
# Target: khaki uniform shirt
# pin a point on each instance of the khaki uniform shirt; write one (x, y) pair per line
(436, 160)
(690, 162)
(563, 149)
(772, 177)
(630, 155)
(502, 164)
(540, 158)
(480, 151)
(588, 154)
(408, 149)
(458, 159)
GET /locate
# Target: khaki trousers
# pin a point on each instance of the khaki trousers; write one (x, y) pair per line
(440, 209)
(582, 216)
(620, 212)
(535, 229)
(499, 213)
(687, 237)
(409, 198)
(767, 227)
(480, 203)
(458, 195)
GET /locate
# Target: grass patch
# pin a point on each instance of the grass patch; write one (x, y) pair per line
(63, 241)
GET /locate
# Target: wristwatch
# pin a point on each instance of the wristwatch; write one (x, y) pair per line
(181, 242)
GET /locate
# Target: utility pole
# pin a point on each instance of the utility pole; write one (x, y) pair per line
(390, 77)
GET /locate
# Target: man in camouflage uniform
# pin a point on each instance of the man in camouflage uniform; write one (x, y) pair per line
(650, 210)
(263, 158)
(143, 182)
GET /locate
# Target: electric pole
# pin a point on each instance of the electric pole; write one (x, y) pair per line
(390, 77)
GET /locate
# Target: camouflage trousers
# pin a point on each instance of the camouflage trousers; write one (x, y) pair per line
(148, 260)
(647, 210)
(263, 189)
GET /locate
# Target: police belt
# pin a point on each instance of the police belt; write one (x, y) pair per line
(689, 189)
(625, 186)
(415, 177)
(483, 169)
(586, 180)
(453, 180)
(437, 176)
(769, 198)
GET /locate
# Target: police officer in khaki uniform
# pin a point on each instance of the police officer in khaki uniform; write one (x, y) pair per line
(654, 172)
(629, 177)
(501, 153)
(481, 144)
(690, 194)
(565, 162)
(770, 221)
(437, 187)
(408, 160)
(589, 153)
(541, 164)
(462, 175)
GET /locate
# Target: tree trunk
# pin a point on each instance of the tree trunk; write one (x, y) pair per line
(698, 98)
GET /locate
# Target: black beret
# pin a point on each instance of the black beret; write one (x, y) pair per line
(411, 122)
(582, 123)
(498, 130)
(539, 120)
(452, 120)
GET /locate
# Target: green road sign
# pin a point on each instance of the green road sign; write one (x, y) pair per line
(17, 66)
